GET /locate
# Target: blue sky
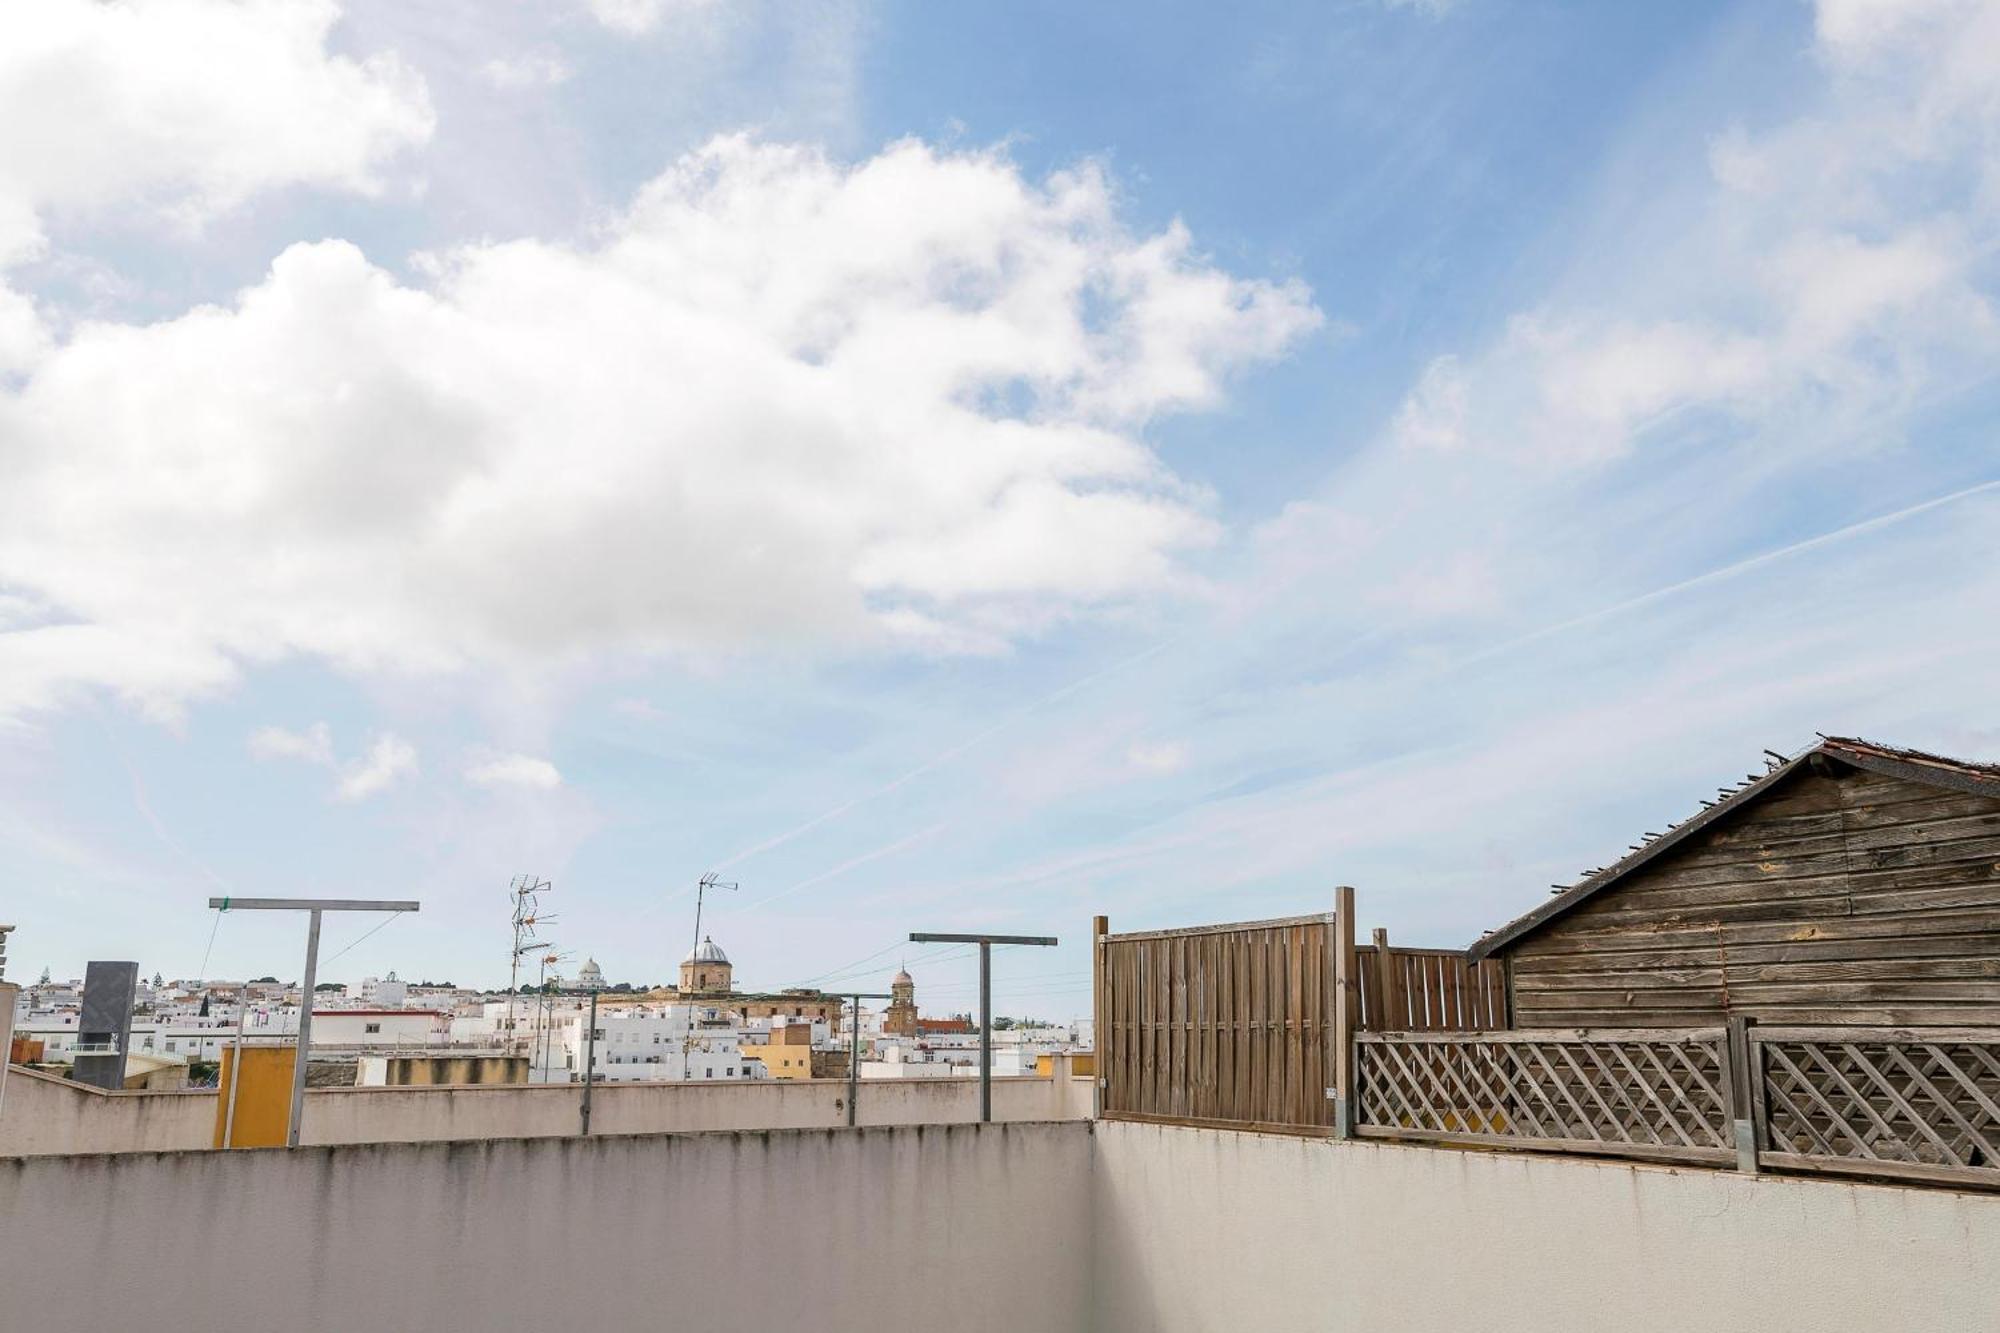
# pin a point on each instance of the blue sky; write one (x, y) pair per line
(957, 467)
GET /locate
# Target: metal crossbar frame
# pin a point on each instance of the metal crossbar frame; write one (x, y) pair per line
(1641, 1093)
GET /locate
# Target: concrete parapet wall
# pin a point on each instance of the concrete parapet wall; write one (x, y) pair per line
(756, 1231)
(1199, 1231)
(43, 1114)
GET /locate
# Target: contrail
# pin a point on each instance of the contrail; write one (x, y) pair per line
(1727, 571)
(947, 756)
(849, 864)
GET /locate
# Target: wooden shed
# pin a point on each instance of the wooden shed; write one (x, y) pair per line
(1851, 884)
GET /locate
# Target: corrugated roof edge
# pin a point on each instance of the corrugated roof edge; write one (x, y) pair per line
(1910, 765)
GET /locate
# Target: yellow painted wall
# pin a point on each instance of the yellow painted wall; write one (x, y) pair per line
(264, 1106)
(782, 1061)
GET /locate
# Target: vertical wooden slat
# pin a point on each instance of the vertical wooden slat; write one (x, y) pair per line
(1390, 1016)
(1244, 991)
(1343, 1012)
(1100, 926)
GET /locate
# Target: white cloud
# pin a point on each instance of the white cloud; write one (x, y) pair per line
(389, 760)
(186, 107)
(514, 770)
(781, 402)
(314, 745)
(633, 17)
(1829, 267)
(530, 70)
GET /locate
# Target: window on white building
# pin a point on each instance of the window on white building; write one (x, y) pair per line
(371, 1027)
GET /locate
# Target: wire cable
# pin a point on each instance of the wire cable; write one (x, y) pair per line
(202, 975)
(366, 933)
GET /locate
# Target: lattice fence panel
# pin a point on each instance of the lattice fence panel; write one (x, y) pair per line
(1653, 1094)
(1889, 1098)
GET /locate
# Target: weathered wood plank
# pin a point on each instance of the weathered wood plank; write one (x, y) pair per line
(1877, 1015)
(1860, 939)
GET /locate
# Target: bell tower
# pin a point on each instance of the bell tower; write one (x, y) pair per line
(901, 1018)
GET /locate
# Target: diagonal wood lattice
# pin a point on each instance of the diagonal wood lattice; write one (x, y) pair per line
(1912, 1097)
(1650, 1093)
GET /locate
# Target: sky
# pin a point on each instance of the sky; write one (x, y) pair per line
(961, 467)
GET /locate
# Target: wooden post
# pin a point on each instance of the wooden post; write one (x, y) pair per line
(1394, 1015)
(1100, 1035)
(1743, 1077)
(1346, 1010)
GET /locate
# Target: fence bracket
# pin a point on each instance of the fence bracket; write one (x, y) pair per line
(1746, 1147)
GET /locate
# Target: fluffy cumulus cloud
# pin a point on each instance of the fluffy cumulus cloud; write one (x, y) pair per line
(1827, 269)
(387, 760)
(780, 401)
(186, 107)
(514, 770)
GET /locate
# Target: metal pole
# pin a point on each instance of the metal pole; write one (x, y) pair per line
(985, 1031)
(853, 1062)
(235, 1070)
(305, 1031)
(589, 1060)
(985, 943)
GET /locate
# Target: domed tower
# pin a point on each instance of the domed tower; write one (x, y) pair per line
(705, 971)
(590, 976)
(901, 1018)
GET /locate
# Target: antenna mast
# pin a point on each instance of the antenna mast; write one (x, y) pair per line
(712, 880)
(525, 891)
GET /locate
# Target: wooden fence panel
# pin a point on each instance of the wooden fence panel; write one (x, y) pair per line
(1227, 1024)
(1650, 1094)
(1429, 990)
(1907, 1103)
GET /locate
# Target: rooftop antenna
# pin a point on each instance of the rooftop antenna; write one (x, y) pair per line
(544, 1009)
(712, 880)
(526, 891)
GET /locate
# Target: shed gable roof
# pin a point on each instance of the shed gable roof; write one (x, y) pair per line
(1909, 765)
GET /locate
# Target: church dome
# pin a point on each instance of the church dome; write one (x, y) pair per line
(706, 952)
(902, 979)
(590, 974)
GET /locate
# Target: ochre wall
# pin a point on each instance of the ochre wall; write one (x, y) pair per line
(263, 1103)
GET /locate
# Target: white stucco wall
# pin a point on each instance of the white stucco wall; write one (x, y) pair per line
(769, 1231)
(1206, 1232)
(44, 1114)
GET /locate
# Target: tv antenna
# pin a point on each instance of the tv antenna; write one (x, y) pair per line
(526, 891)
(712, 880)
